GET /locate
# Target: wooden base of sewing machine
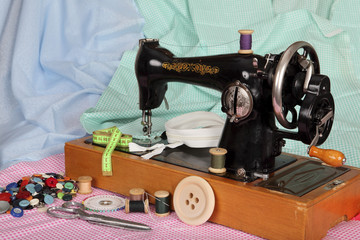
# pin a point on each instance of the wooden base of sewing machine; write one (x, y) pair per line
(244, 206)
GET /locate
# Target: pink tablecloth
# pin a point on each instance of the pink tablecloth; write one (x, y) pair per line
(38, 225)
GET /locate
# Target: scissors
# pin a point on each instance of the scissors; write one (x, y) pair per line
(77, 210)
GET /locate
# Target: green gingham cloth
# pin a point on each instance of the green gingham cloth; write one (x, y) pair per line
(199, 28)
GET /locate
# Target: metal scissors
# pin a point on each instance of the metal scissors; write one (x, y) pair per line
(77, 210)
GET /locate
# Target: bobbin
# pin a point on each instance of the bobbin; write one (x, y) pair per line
(137, 194)
(245, 41)
(162, 203)
(136, 206)
(84, 184)
(217, 160)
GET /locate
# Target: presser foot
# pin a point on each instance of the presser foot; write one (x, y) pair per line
(146, 122)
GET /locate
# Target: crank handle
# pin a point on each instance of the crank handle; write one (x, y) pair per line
(329, 156)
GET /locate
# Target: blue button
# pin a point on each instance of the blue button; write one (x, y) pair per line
(24, 203)
(38, 187)
(37, 180)
(48, 199)
(17, 212)
(30, 187)
(11, 185)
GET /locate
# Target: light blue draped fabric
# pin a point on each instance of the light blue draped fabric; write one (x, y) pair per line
(56, 59)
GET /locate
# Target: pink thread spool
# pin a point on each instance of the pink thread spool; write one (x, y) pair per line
(245, 41)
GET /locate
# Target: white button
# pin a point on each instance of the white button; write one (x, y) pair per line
(194, 200)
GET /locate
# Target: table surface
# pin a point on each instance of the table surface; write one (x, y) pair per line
(36, 224)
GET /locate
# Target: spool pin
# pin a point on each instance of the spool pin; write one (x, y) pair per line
(162, 203)
(217, 160)
(245, 41)
(84, 184)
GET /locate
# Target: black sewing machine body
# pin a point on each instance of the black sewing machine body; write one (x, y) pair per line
(246, 81)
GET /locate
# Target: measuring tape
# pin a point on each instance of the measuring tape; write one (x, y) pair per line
(111, 138)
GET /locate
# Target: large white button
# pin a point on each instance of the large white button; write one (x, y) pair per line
(194, 200)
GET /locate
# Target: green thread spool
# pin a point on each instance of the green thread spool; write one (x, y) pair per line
(136, 206)
(217, 160)
(162, 203)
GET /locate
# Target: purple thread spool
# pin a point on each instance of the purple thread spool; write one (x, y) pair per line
(245, 41)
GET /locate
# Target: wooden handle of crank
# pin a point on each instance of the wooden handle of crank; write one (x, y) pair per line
(329, 156)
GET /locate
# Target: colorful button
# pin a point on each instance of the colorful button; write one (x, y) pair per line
(23, 182)
(69, 185)
(30, 187)
(4, 206)
(34, 202)
(17, 212)
(60, 195)
(5, 197)
(24, 203)
(48, 199)
(11, 185)
(36, 179)
(67, 197)
(51, 182)
(23, 195)
(38, 187)
(44, 175)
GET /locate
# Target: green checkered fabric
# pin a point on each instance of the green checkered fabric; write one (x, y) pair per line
(199, 28)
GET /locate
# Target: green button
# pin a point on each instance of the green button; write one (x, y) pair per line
(60, 195)
(69, 185)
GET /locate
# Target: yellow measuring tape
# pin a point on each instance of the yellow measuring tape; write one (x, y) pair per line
(111, 138)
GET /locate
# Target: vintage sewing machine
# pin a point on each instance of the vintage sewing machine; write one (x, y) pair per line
(254, 89)
(264, 191)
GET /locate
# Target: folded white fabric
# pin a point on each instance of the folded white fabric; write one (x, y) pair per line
(197, 130)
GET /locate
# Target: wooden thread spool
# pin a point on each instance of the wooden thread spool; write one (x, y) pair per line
(162, 203)
(136, 206)
(217, 160)
(84, 184)
(245, 41)
(137, 194)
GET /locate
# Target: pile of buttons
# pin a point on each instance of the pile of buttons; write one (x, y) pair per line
(35, 191)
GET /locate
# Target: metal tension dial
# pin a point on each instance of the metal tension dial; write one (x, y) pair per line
(237, 101)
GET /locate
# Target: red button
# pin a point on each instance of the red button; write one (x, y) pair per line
(23, 195)
(5, 197)
(24, 183)
(51, 182)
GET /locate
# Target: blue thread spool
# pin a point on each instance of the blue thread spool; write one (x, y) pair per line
(245, 41)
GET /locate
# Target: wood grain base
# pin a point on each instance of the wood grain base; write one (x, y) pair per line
(244, 206)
